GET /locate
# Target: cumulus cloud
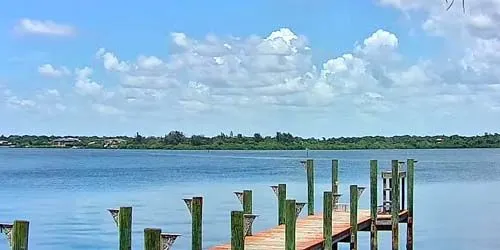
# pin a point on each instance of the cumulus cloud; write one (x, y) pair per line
(50, 71)
(278, 70)
(275, 76)
(44, 27)
(84, 85)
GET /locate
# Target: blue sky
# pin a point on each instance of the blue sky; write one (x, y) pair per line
(326, 68)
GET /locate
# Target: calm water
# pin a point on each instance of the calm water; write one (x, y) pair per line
(65, 193)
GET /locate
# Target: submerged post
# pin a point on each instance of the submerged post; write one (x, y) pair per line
(354, 217)
(395, 205)
(20, 232)
(281, 203)
(247, 206)
(290, 220)
(335, 176)
(411, 174)
(152, 239)
(237, 231)
(373, 204)
(310, 187)
(327, 220)
(197, 209)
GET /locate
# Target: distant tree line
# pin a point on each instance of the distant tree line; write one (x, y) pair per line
(281, 140)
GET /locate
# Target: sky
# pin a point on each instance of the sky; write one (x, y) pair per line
(312, 68)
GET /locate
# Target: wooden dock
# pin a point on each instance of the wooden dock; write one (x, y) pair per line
(309, 234)
(338, 223)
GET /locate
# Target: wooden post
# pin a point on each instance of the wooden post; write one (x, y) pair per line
(411, 178)
(310, 187)
(327, 220)
(20, 233)
(247, 206)
(354, 217)
(125, 228)
(197, 225)
(403, 200)
(373, 204)
(290, 220)
(395, 205)
(335, 176)
(281, 203)
(237, 231)
(152, 239)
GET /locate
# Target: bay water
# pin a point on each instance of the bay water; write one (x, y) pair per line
(64, 193)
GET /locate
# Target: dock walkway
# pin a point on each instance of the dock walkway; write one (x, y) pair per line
(309, 231)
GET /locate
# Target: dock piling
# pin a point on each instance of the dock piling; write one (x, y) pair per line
(395, 204)
(247, 208)
(310, 186)
(152, 239)
(197, 217)
(290, 224)
(20, 233)
(411, 173)
(335, 176)
(237, 231)
(281, 203)
(125, 228)
(373, 204)
(327, 220)
(353, 208)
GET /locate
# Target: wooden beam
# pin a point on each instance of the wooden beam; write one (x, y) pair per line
(327, 220)
(247, 206)
(411, 180)
(152, 239)
(197, 225)
(310, 187)
(237, 231)
(20, 234)
(373, 204)
(125, 228)
(395, 204)
(354, 217)
(281, 203)
(290, 225)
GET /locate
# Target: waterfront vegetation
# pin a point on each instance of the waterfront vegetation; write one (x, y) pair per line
(281, 140)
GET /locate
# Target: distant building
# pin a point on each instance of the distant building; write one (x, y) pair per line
(66, 142)
(5, 144)
(113, 143)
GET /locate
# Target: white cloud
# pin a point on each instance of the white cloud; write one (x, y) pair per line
(84, 85)
(50, 71)
(111, 62)
(224, 73)
(16, 102)
(275, 77)
(44, 27)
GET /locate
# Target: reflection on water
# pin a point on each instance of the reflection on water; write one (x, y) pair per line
(65, 193)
